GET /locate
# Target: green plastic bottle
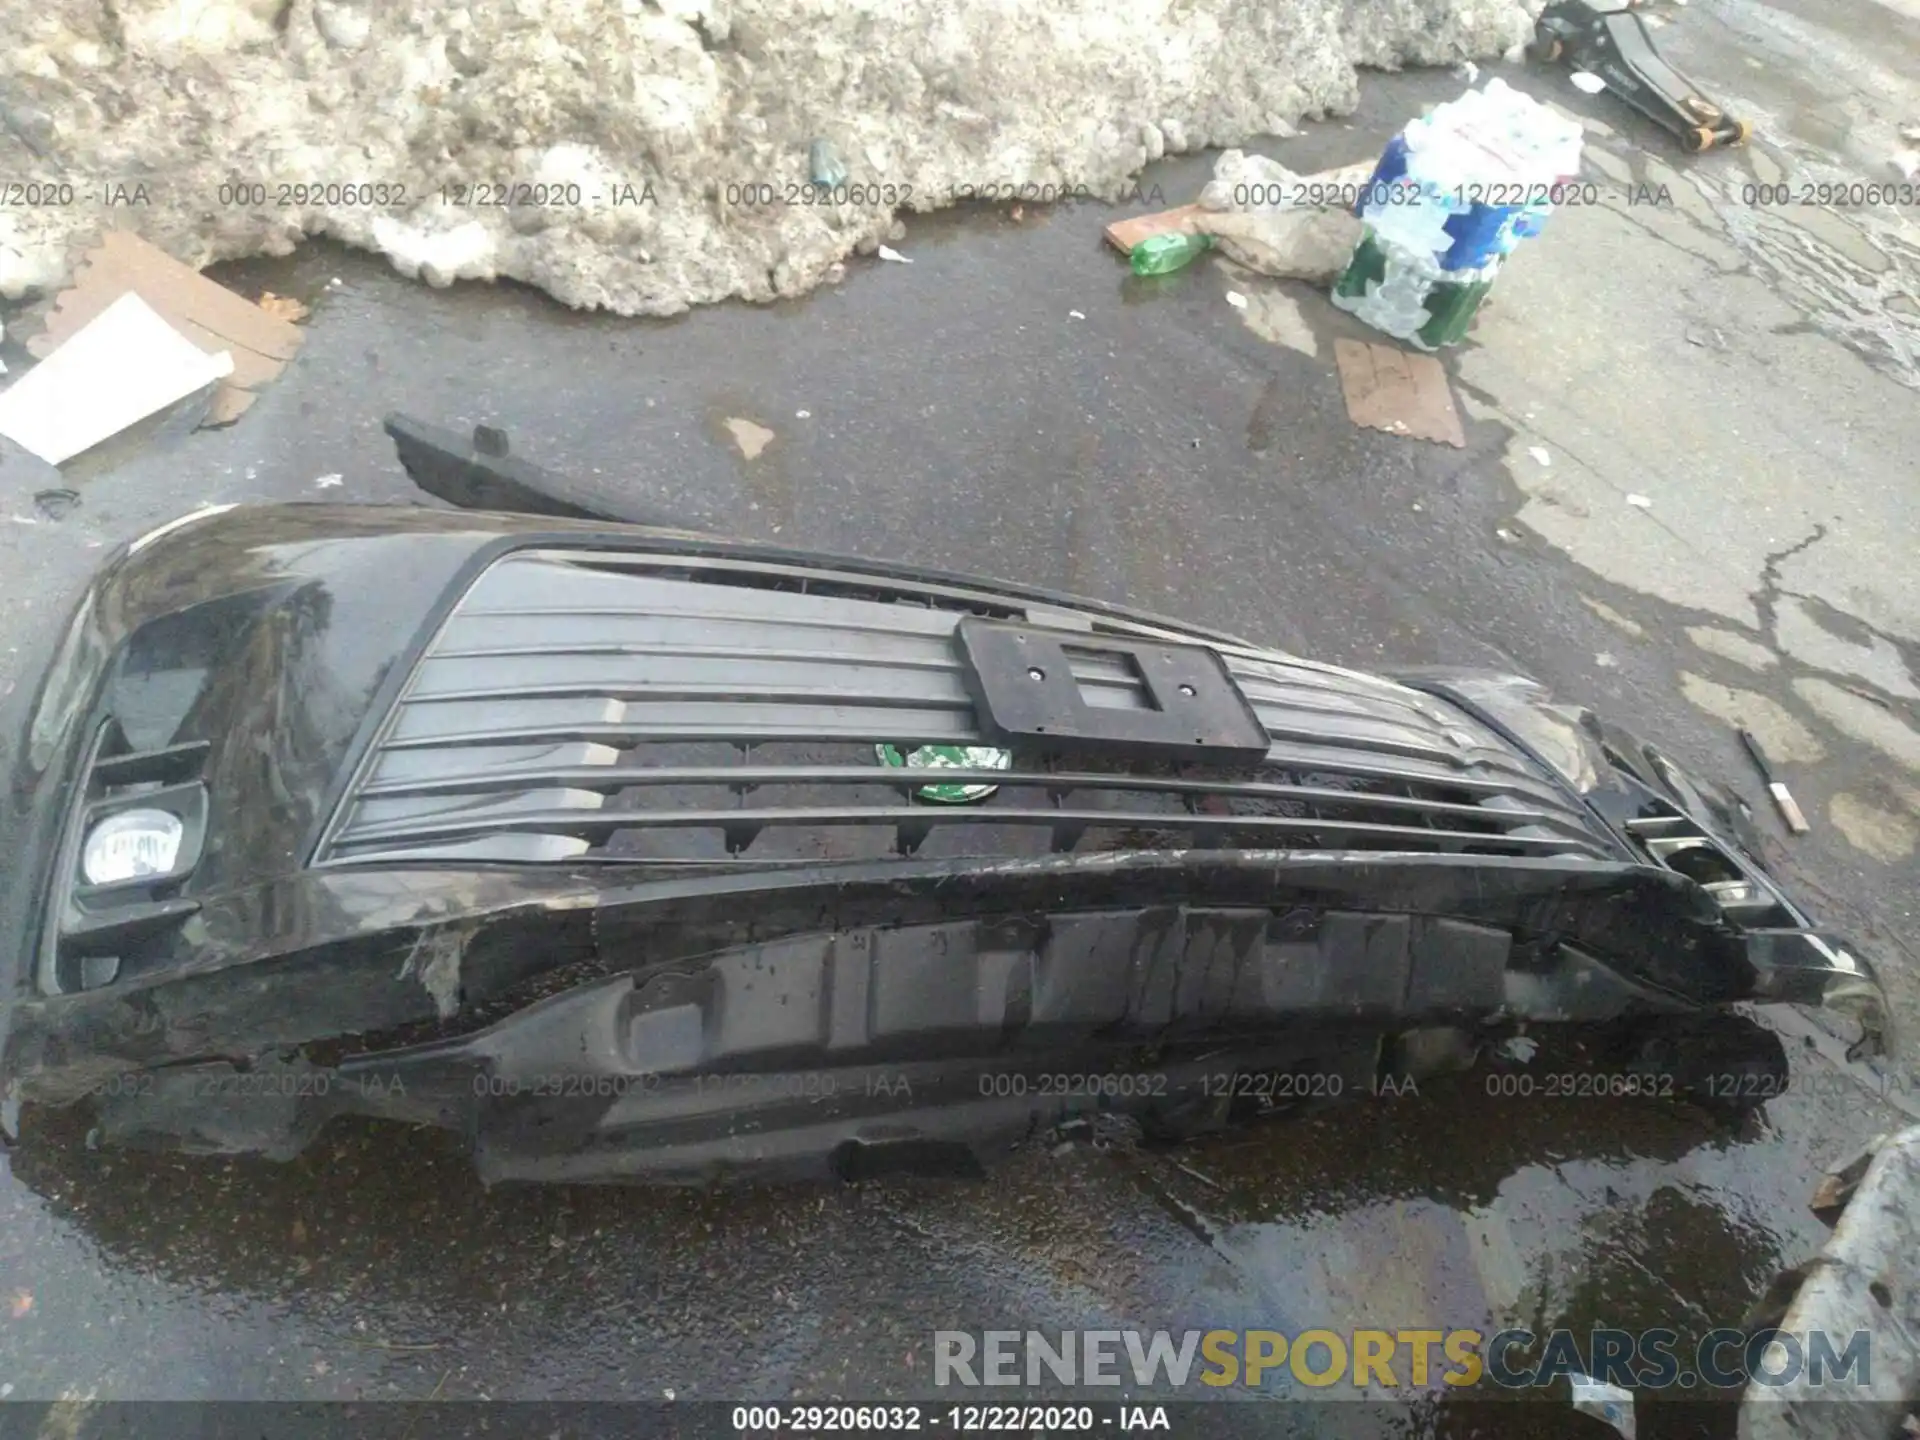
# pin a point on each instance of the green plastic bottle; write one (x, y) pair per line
(1164, 254)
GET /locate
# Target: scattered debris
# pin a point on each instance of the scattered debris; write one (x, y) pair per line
(1164, 254)
(751, 438)
(123, 365)
(1783, 800)
(1502, 531)
(1905, 164)
(1269, 219)
(1910, 132)
(1076, 315)
(1194, 1174)
(1236, 299)
(824, 165)
(22, 1303)
(1468, 71)
(1587, 83)
(282, 307)
(479, 474)
(56, 504)
(209, 315)
(887, 252)
(1640, 502)
(1858, 1283)
(1518, 1048)
(1540, 454)
(1610, 1403)
(1124, 235)
(803, 414)
(327, 482)
(1274, 315)
(1388, 389)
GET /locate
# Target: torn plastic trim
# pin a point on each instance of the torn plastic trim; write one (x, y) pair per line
(1817, 968)
(251, 984)
(782, 1054)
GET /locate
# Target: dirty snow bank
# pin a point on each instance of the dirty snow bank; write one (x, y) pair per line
(653, 155)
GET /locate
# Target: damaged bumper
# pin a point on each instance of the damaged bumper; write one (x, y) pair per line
(571, 837)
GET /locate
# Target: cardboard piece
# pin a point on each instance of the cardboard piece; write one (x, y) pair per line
(1123, 235)
(208, 314)
(125, 364)
(1401, 393)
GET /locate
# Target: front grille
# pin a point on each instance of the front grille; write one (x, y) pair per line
(648, 709)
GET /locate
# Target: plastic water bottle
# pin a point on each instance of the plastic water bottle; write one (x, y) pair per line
(1164, 254)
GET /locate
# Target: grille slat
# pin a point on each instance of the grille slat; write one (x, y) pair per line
(576, 703)
(748, 777)
(602, 822)
(475, 722)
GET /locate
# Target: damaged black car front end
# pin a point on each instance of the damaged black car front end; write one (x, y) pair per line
(576, 838)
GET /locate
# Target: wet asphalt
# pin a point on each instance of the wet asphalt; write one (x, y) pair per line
(1014, 404)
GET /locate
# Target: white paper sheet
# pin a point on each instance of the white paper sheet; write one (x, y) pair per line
(118, 368)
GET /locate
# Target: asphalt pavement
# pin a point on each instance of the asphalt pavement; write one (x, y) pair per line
(1013, 403)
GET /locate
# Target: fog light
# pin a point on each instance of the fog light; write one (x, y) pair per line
(131, 846)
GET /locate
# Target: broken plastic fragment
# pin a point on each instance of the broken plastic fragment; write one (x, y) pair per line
(1236, 299)
(1540, 454)
(1610, 1403)
(1640, 502)
(887, 252)
(824, 165)
(1587, 82)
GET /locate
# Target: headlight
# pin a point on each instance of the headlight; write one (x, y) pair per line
(132, 845)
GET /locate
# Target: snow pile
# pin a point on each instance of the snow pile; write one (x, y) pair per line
(650, 154)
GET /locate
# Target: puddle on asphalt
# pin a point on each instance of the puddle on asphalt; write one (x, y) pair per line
(380, 1252)
(1856, 273)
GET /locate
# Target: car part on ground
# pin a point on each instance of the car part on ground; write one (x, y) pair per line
(1866, 1280)
(572, 837)
(481, 475)
(1607, 38)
